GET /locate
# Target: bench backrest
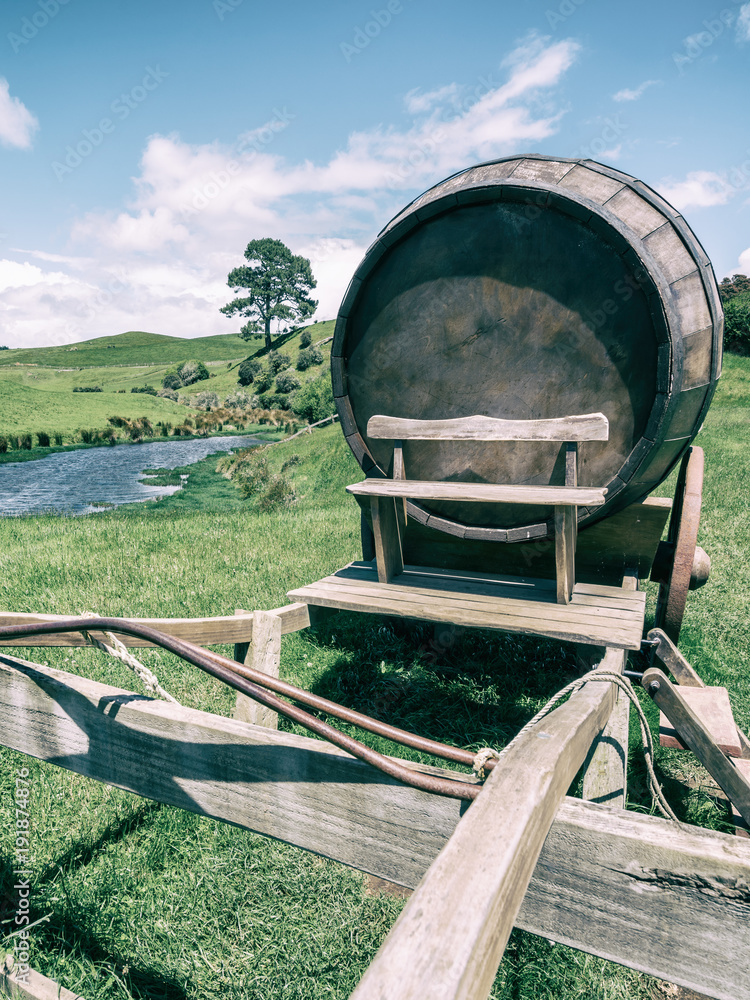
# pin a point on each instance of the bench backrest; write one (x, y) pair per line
(581, 427)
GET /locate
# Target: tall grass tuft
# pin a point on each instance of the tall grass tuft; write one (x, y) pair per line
(3, 444)
(43, 439)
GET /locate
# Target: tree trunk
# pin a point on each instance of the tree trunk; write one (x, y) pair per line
(267, 319)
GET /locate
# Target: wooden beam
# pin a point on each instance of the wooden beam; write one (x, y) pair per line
(388, 554)
(32, 986)
(264, 654)
(630, 888)
(565, 552)
(418, 489)
(581, 427)
(449, 939)
(203, 631)
(694, 734)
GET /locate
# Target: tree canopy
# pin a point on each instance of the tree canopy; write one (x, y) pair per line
(277, 285)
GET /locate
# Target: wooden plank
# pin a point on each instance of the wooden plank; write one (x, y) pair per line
(606, 767)
(264, 654)
(448, 940)
(486, 592)
(581, 427)
(696, 736)
(601, 873)
(711, 706)
(385, 527)
(479, 598)
(415, 489)
(565, 520)
(529, 620)
(741, 828)
(32, 985)
(203, 631)
(684, 673)
(604, 779)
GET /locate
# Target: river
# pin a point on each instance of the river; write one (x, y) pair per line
(74, 482)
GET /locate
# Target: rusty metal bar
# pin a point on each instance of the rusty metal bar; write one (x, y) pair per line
(249, 681)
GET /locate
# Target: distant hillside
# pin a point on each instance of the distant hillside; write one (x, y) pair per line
(132, 348)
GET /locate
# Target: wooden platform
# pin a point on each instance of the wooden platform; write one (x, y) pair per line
(597, 614)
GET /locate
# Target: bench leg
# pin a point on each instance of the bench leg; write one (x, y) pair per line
(565, 547)
(388, 554)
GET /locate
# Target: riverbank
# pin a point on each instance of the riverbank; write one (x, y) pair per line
(262, 431)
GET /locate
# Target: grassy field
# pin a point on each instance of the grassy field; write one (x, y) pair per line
(39, 396)
(149, 901)
(132, 348)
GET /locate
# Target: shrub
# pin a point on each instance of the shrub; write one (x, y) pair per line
(205, 400)
(278, 362)
(172, 380)
(164, 428)
(273, 401)
(287, 381)
(737, 324)
(87, 388)
(192, 371)
(290, 462)
(58, 439)
(168, 394)
(3, 444)
(121, 390)
(148, 389)
(314, 401)
(305, 338)
(309, 357)
(42, 439)
(252, 472)
(278, 493)
(118, 421)
(263, 380)
(247, 371)
(87, 436)
(238, 400)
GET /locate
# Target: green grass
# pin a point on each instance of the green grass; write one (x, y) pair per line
(39, 396)
(149, 901)
(132, 348)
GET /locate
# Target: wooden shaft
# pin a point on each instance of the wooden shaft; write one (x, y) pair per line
(449, 939)
(694, 734)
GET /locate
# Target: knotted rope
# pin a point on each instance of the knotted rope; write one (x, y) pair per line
(623, 684)
(115, 647)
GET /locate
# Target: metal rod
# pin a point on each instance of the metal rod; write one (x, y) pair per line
(229, 672)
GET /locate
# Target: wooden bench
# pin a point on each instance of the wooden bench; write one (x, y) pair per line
(566, 499)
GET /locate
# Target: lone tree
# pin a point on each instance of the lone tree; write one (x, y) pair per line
(278, 286)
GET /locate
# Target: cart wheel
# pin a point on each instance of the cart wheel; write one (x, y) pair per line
(681, 565)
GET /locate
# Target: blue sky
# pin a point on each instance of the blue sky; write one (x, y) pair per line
(144, 143)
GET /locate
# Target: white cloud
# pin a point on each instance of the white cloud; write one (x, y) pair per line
(633, 95)
(17, 124)
(743, 23)
(700, 189)
(160, 263)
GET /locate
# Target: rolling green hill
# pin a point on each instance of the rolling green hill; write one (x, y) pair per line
(132, 348)
(36, 388)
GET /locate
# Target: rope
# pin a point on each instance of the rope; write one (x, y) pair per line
(120, 651)
(619, 681)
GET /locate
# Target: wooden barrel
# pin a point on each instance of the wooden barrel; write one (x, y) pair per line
(526, 288)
